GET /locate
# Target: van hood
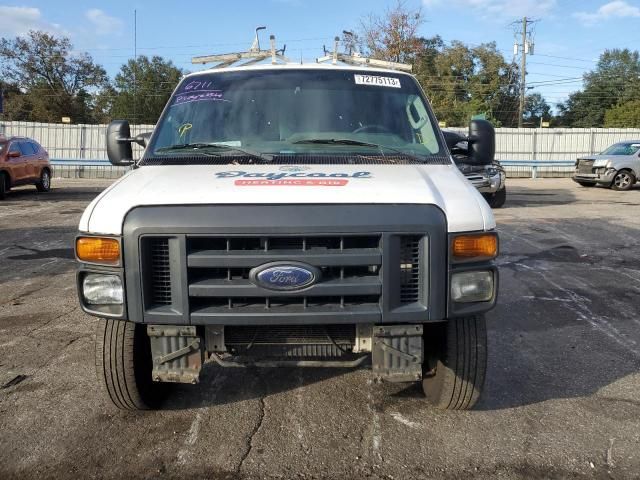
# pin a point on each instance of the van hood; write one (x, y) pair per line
(441, 185)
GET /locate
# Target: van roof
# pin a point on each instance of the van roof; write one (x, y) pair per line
(300, 66)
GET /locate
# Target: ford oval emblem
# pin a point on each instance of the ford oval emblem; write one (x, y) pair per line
(284, 276)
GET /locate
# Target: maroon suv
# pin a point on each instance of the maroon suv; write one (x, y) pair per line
(23, 161)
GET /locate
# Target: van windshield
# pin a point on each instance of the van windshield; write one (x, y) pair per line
(299, 113)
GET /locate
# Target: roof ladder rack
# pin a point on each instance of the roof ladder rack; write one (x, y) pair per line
(254, 55)
(354, 58)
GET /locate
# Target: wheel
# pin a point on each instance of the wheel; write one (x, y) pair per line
(586, 184)
(124, 365)
(44, 184)
(623, 180)
(3, 185)
(455, 363)
(497, 199)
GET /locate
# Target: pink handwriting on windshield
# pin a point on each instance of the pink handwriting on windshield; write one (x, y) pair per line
(196, 85)
(212, 95)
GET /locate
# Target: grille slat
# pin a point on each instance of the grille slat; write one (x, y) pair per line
(346, 286)
(254, 258)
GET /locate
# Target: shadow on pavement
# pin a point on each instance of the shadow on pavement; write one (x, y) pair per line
(220, 386)
(16, 197)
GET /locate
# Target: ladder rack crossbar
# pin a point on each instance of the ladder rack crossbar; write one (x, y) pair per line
(358, 60)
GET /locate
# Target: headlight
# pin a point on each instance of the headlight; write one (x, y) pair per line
(467, 287)
(492, 172)
(98, 289)
(601, 162)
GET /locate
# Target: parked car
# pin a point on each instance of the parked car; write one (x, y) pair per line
(617, 167)
(488, 178)
(23, 161)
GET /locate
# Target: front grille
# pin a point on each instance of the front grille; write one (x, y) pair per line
(409, 269)
(158, 263)
(196, 265)
(219, 270)
(585, 166)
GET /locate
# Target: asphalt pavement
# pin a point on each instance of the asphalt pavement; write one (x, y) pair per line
(562, 397)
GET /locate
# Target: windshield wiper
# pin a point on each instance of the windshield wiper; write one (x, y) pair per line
(219, 148)
(348, 141)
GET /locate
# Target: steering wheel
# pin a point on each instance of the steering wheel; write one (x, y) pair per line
(373, 128)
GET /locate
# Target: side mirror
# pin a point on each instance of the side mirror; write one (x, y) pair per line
(452, 139)
(482, 142)
(119, 143)
(13, 154)
(143, 139)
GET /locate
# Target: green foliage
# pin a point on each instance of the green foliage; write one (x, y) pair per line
(469, 81)
(48, 80)
(460, 81)
(614, 81)
(142, 102)
(624, 115)
(536, 109)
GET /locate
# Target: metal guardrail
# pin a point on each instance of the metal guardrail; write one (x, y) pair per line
(536, 165)
(79, 163)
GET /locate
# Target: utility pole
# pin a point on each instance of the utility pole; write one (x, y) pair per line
(526, 47)
(135, 64)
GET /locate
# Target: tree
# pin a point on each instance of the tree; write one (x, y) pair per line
(394, 35)
(536, 109)
(624, 115)
(142, 100)
(460, 81)
(54, 81)
(614, 81)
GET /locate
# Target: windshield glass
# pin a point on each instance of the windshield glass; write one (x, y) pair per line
(296, 113)
(622, 149)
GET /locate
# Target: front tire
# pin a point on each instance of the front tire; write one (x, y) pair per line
(124, 365)
(3, 185)
(497, 200)
(455, 362)
(44, 184)
(624, 180)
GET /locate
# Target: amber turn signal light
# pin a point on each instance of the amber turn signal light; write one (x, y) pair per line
(101, 250)
(481, 246)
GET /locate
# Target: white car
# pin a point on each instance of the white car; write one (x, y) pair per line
(305, 215)
(617, 167)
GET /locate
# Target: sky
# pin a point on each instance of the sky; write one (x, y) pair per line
(569, 35)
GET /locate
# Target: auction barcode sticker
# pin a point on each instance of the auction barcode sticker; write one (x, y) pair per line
(375, 80)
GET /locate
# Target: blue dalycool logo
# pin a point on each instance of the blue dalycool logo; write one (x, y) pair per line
(284, 276)
(281, 175)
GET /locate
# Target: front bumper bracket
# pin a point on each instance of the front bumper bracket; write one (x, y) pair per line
(397, 352)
